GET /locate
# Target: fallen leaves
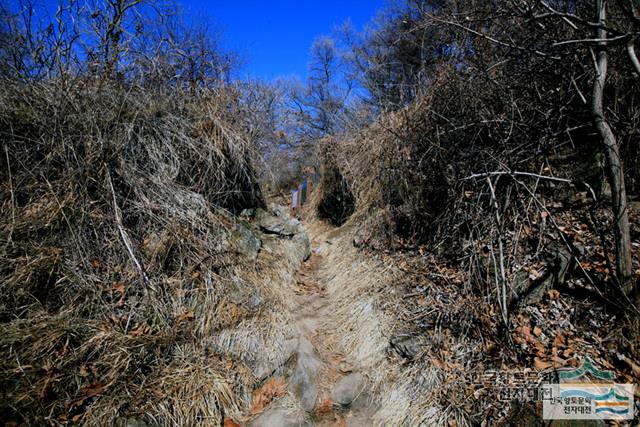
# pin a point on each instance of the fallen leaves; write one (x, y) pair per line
(263, 396)
(543, 365)
(635, 368)
(86, 392)
(324, 408)
(438, 363)
(140, 330)
(118, 287)
(186, 316)
(560, 340)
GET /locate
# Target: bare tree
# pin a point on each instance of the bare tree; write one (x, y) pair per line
(35, 44)
(109, 21)
(547, 31)
(615, 171)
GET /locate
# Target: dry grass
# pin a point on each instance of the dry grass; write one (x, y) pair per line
(122, 290)
(456, 333)
(369, 293)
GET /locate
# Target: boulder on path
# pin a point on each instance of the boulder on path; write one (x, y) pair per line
(348, 389)
(304, 380)
(303, 240)
(281, 226)
(278, 210)
(284, 226)
(280, 417)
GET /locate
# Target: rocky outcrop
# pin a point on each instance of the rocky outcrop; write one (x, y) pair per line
(247, 242)
(279, 223)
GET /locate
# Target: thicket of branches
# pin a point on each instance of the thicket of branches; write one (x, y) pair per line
(492, 116)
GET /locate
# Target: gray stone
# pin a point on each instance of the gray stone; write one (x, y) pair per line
(559, 261)
(358, 241)
(304, 380)
(303, 240)
(348, 389)
(247, 242)
(278, 210)
(266, 368)
(255, 301)
(407, 346)
(525, 291)
(279, 417)
(283, 227)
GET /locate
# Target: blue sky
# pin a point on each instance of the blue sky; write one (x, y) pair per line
(274, 37)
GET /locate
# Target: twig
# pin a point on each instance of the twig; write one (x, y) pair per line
(502, 299)
(631, 51)
(124, 236)
(533, 175)
(493, 40)
(13, 203)
(594, 41)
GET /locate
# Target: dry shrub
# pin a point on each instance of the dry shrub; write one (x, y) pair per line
(116, 256)
(481, 244)
(439, 173)
(398, 172)
(335, 202)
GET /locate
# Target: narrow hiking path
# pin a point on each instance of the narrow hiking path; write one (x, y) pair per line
(340, 398)
(320, 385)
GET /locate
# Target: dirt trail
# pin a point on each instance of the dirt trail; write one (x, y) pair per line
(340, 394)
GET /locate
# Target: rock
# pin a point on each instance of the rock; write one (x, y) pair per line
(293, 226)
(285, 227)
(303, 240)
(248, 213)
(408, 346)
(247, 242)
(278, 210)
(188, 204)
(266, 368)
(358, 241)
(559, 262)
(278, 417)
(348, 389)
(277, 225)
(303, 382)
(255, 301)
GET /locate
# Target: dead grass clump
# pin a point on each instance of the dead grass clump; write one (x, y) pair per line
(117, 264)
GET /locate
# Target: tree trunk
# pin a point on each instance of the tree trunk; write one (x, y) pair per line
(614, 169)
